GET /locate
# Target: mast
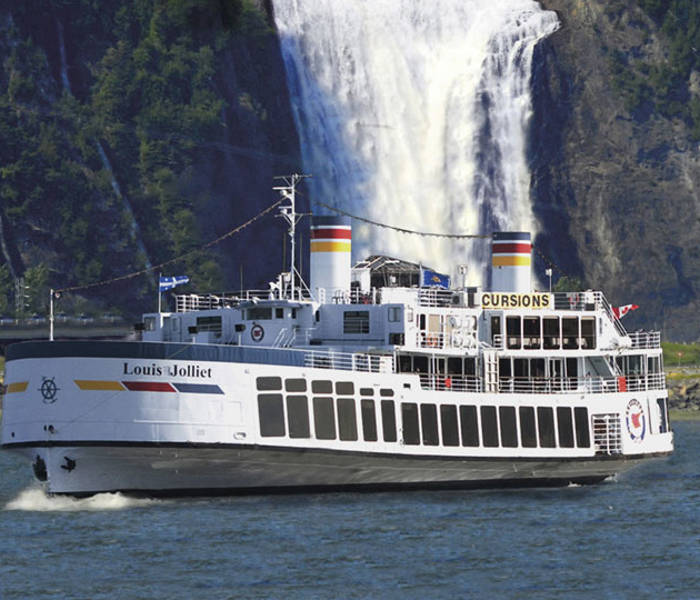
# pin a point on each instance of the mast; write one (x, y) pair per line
(289, 214)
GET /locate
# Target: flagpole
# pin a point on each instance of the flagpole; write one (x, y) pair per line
(158, 292)
(51, 315)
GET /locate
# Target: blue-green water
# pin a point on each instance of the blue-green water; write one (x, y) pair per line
(636, 537)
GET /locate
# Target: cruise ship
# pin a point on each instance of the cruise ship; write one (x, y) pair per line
(381, 375)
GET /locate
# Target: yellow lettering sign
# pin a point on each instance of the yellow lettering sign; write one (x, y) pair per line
(505, 300)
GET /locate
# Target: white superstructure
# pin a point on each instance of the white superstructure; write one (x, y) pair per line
(382, 383)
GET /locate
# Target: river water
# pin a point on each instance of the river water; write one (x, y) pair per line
(636, 536)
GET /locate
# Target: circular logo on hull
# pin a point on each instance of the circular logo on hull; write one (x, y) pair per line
(257, 333)
(636, 420)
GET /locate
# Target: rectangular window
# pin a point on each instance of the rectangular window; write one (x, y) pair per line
(269, 383)
(583, 437)
(347, 421)
(356, 321)
(209, 324)
(429, 424)
(388, 421)
(386, 392)
(448, 424)
(394, 314)
(321, 387)
(369, 421)
(409, 423)
(545, 426)
(279, 313)
(528, 435)
(271, 414)
(258, 313)
(295, 385)
(565, 427)
(588, 333)
(509, 432)
(324, 418)
(298, 417)
(551, 334)
(469, 424)
(489, 426)
(344, 388)
(513, 332)
(569, 333)
(366, 391)
(531, 333)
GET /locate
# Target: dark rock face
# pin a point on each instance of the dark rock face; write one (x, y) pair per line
(615, 192)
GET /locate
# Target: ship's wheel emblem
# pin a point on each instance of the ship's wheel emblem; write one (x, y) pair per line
(49, 389)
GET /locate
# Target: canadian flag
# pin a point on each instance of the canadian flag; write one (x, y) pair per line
(621, 311)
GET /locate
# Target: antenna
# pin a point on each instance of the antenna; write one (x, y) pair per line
(289, 214)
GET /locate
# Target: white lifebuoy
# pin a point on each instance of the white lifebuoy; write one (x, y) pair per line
(457, 339)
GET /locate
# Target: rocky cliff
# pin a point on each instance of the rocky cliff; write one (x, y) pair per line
(615, 182)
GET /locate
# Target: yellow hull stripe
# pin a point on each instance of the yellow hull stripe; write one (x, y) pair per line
(330, 246)
(17, 386)
(511, 261)
(95, 384)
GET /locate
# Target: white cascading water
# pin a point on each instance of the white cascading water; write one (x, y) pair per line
(415, 114)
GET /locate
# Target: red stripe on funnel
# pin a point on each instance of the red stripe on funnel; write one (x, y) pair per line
(500, 248)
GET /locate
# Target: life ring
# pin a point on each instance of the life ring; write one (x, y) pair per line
(257, 333)
(431, 341)
(457, 339)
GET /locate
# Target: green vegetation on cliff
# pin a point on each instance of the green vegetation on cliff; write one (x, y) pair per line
(107, 112)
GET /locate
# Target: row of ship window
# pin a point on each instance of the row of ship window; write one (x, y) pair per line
(422, 424)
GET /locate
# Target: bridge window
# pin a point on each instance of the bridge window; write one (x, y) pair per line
(513, 332)
(258, 313)
(588, 332)
(531, 333)
(569, 332)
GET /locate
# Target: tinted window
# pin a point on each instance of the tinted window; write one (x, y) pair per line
(386, 392)
(321, 387)
(295, 385)
(509, 433)
(344, 388)
(366, 391)
(388, 421)
(429, 424)
(298, 417)
(271, 414)
(324, 419)
(269, 383)
(409, 423)
(489, 427)
(565, 427)
(470, 426)
(583, 438)
(356, 321)
(545, 426)
(448, 422)
(347, 421)
(528, 437)
(369, 421)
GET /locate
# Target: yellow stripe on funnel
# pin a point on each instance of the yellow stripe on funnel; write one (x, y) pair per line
(330, 246)
(511, 261)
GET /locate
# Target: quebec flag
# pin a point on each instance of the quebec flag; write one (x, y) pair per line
(168, 283)
(432, 279)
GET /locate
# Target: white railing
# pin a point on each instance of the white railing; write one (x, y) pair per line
(645, 339)
(451, 383)
(590, 385)
(370, 363)
(607, 437)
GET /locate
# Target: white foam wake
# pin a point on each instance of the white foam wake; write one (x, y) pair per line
(415, 114)
(36, 500)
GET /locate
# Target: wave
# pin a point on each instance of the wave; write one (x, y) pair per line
(35, 499)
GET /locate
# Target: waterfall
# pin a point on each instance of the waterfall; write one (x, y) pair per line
(415, 114)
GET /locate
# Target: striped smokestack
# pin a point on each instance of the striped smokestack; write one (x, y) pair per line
(331, 239)
(511, 258)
